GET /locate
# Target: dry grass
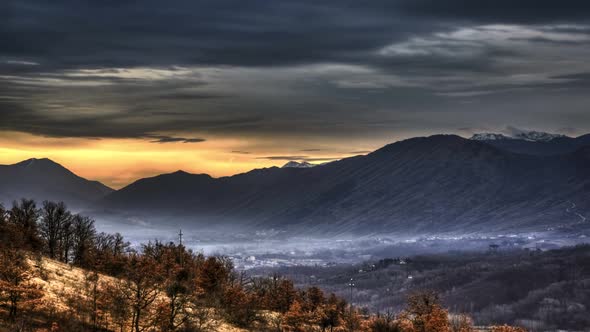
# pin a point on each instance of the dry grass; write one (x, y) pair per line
(61, 282)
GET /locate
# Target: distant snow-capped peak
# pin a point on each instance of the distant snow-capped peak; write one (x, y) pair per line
(488, 137)
(531, 136)
(295, 164)
(537, 136)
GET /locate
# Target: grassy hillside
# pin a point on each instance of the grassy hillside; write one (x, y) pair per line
(66, 289)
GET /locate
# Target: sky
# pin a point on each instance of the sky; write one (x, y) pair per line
(117, 90)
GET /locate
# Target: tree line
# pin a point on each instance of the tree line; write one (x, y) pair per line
(167, 287)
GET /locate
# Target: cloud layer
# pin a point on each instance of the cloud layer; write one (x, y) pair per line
(188, 71)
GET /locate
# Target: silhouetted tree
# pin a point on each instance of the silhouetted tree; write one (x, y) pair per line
(6, 233)
(66, 241)
(24, 215)
(109, 253)
(83, 233)
(384, 323)
(2, 215)
(53, 219)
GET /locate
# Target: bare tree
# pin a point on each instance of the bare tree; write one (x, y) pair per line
(83, 235)
(66, 241)
(2, 214)
(23, 216)
(54, 217)
(140, 287)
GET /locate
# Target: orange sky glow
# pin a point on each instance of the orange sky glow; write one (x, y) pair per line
(118, 162)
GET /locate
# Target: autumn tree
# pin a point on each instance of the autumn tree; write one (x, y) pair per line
(425, 314)
(213, 276)
(15, 281)
(140, 287)
(314, 298)
(296, 318)
(507, 328)
(275, 293)
(179, 268)
(352, 320)
(116, 303)
(331, 313)
(239, 306)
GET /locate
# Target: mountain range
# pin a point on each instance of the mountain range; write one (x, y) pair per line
(441, 183)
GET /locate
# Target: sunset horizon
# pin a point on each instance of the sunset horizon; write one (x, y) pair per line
(120, 162)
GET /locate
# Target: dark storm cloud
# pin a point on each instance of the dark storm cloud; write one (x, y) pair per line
(73, 33)
(76, 57)
(190, 96)
(19, 118)
(128, 33)
(498, 11)
(574, 77)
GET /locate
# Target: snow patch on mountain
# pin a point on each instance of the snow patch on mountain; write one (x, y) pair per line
(537, 136)
(513, 133)
(295, 164)
(489, 137)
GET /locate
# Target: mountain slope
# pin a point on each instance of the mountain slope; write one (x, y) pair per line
(434, 184)
(43, 179)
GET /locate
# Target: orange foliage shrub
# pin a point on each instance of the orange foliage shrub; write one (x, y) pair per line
(507, 328)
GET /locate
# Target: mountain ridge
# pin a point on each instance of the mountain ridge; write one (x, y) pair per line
(442, 182)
